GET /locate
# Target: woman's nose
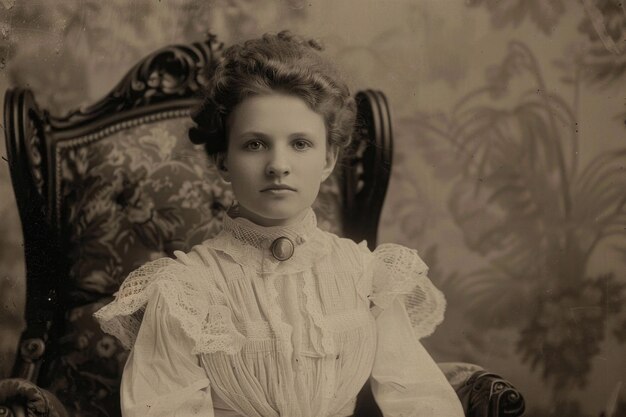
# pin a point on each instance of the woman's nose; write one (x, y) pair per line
(278, 166)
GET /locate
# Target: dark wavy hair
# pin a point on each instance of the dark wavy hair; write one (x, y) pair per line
(275, 63)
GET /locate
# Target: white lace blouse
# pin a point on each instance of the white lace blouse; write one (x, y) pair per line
(228, 330)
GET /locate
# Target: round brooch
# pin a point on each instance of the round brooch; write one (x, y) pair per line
(282, 248)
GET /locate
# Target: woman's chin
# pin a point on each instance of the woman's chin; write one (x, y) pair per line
(273, 217)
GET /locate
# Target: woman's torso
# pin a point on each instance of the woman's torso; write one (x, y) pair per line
(306, 338)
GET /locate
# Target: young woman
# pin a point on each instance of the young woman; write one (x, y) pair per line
(273, 316)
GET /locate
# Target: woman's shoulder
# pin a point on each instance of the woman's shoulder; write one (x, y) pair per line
(342, 243)
(182, 283)
(396, 269)
(385, 255)
(201, 255)
(185, 274)
(398, 258)
(398, 272)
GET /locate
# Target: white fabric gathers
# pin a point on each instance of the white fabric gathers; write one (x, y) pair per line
(228, 330)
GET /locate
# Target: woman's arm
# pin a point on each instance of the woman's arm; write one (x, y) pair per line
(162, 377)
(405, 380)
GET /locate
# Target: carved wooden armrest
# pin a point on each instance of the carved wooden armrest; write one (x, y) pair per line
(21, 398)
(482, 393)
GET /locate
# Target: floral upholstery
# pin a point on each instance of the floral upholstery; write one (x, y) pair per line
(85, 373)
(124, 199)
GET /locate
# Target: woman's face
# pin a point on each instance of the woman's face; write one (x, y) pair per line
(277, 157)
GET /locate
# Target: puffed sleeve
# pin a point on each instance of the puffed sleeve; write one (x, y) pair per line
(168, 311)
(192, 299)
(162, 377)
(405, 379)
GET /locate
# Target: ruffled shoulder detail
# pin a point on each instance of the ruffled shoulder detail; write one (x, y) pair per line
(398, 271)
(192, 299)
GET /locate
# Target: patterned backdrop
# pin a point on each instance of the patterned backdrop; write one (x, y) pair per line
(510, 167)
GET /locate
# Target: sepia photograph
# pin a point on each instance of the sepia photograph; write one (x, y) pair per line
(313, 208)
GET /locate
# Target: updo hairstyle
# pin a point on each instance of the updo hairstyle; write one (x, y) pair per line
(282, 63)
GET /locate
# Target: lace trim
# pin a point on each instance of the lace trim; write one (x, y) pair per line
(192, 299)
(261, 237)
(399, 272)
(283, 330)
(315, 311)
(248, 244)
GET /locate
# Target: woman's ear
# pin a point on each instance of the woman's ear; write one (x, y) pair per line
(332, 153)
(222, 169)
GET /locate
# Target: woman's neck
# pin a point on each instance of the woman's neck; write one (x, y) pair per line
(240, 211)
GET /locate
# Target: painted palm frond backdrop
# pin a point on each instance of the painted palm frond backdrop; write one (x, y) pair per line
(523, 201)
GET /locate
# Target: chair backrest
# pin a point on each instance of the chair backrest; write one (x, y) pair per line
(111, 186)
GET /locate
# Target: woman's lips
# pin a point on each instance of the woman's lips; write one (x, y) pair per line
(278, 191)
(278, 187)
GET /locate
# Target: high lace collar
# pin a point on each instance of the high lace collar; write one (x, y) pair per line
(261, 237)
(248, 244)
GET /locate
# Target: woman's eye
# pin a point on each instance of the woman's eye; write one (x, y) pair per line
(301, 144)
(254, 145)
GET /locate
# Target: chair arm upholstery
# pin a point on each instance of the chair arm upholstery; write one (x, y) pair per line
(20, 398)
(482, 393)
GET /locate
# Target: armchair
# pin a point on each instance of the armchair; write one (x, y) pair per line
(106, 188)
